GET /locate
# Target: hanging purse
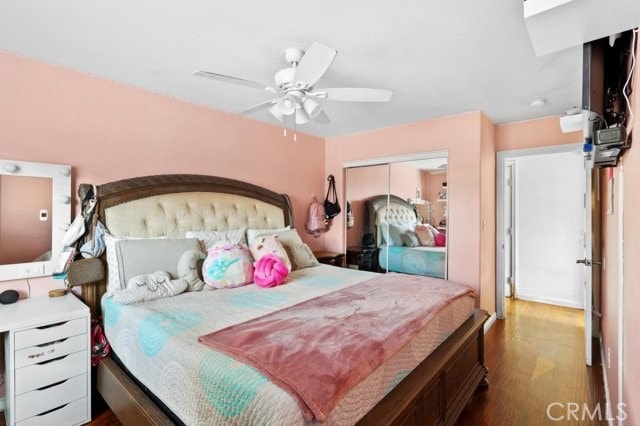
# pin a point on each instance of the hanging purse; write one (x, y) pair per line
(331, 208)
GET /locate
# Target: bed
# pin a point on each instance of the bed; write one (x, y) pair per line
(428, 381)
(382, 211)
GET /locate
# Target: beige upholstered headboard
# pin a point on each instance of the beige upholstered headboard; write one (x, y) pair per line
(393, 214)
(385, 208)
(170, 205)
(174, 214)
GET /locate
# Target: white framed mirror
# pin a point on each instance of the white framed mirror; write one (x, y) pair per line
(35, 211)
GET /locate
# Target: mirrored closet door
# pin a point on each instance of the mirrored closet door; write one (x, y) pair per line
(400, 211)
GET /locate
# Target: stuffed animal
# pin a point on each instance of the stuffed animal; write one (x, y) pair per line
(188, 269)
(227, 265)
(270, 270)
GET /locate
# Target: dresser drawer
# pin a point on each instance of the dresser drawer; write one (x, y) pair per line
(42, 400)
(46, 373)
(70, 414)
(49, 333)
(47, 351)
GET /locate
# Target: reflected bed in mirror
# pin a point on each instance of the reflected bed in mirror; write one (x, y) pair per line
(35, 209)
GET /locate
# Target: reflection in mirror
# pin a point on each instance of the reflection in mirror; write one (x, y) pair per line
(420, 188)
(35, 210)
(25, 227)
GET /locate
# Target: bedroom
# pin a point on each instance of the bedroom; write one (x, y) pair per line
(63, 114)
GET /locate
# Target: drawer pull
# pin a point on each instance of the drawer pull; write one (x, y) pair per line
(52, 410)
(52, 343)
(57, 324)
(51, 385)
(52, 360)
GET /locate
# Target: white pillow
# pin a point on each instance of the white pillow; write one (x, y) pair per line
(113, 277)
(253, 233)
(209, 238)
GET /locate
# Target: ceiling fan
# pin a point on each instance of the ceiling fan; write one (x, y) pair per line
(295, 87)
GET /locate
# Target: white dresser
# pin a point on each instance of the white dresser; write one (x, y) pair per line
(47, 361)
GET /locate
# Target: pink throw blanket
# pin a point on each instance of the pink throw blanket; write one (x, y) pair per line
(319, 349)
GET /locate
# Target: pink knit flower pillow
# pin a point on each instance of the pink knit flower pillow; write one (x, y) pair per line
(270, 271)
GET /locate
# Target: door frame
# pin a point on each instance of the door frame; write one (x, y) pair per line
(501, 159)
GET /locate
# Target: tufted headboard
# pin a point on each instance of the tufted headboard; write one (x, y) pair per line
(170, 205)
(386, 209)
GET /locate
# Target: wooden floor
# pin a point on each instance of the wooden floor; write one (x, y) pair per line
(535, 358)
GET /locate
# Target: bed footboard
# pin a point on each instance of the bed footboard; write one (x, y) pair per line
(437, 391)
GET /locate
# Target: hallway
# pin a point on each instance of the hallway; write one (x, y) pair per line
(536, 358)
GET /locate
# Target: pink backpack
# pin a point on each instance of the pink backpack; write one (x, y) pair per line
(316, 221)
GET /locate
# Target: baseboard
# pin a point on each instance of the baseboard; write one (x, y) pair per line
(549, 301)
(607, 400)
(489, 323)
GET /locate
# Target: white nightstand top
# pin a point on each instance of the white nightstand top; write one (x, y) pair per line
(40, 309)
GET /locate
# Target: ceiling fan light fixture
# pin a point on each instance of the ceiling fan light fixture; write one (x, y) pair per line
(275, 111)
(302, 116)
(311, 107)
(286, 106)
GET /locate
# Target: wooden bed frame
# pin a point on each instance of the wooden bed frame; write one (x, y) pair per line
(434, 393)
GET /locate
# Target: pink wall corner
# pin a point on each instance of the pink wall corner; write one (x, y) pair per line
(631, 230)
(609, 280)
(460, 135)
(108, 131)
(488, 214)
(532, 134)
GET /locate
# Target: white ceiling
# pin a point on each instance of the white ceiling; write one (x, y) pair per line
(438, 57)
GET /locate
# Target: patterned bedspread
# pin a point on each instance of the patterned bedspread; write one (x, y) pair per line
(157, 341)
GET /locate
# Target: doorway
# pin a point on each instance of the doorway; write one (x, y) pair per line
(540, 205)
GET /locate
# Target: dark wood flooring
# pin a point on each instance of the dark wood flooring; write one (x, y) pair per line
(535, 358)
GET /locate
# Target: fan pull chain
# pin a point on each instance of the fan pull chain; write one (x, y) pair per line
(295, 130)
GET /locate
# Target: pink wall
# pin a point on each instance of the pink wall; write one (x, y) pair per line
(23, 236)
(108, 131)
(532, 134)
(488, 213)
(461, 136)
(630, 169)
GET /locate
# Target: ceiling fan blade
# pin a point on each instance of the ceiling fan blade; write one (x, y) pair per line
(233, 80)
(314, 64)
(260, 106)
(322, 118)
(354, 94)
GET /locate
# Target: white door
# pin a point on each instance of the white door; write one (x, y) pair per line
(587, 260)
(508, 230)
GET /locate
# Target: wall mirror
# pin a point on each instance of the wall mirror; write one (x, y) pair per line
(409, 190)
(35, 211)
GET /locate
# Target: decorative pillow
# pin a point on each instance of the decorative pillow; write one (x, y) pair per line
(300, 255)
(253, 233)
(149, 287)
(270, 270)
(188, 269)
(113, 277)
(433, 230)
(269, 244)
(410, 239)
(388, 237)
(144, 256)
(228, 265)
(424, 235)
(440, 240)
(209, 238)
(395, 234)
